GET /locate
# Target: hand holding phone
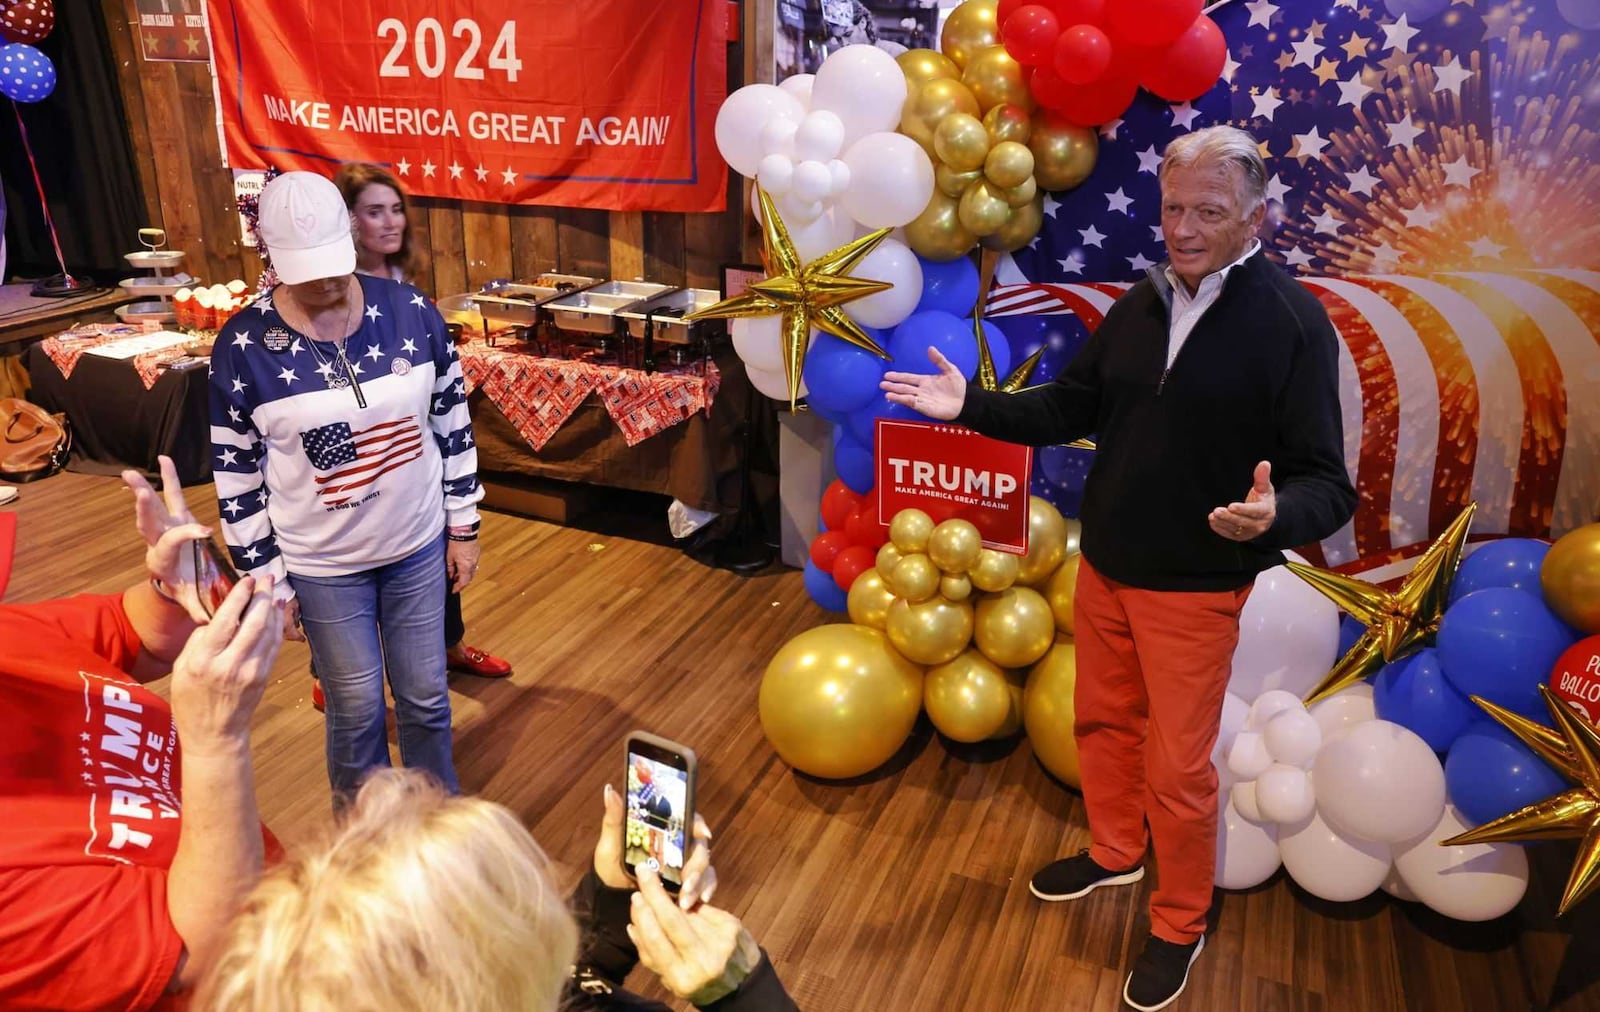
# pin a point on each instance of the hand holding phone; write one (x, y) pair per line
(659, 806)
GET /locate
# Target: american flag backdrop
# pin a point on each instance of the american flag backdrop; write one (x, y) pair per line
(347, 461)
(1435, 181)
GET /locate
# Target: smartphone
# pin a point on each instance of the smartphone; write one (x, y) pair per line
(215, 576)
(661, 777)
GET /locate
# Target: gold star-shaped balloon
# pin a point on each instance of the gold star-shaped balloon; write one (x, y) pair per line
(1398, 622)
(805, 295)
(1014, 383)
(1573, 813)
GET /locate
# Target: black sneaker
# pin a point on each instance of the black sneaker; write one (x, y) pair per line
(1160, 974)
(1072, 877)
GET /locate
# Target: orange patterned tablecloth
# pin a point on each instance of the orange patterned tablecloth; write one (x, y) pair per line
(537, 394)
(68, 346)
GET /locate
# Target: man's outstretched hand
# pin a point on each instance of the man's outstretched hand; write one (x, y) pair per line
(1245, 521)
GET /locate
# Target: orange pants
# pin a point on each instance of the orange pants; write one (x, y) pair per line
(1153, 667)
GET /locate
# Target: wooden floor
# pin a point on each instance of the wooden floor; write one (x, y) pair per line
(905, 891)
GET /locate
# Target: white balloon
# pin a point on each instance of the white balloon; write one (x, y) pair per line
(757, 340)
(864, 86)
(1476, 882)
(775, 174)
(832, 229)
(773, 383)
(895, 263)
(1344, 710)
(799, 85)
(1249, 757)
(1284, 794)
(1247, 801)
(1293, 737)
(1234, 713)
(812, 182)
(820, 137)
(891, 180)
(794, 211)
(743, 117)
(1379, 781)
(1395, 886)
(840, 173)
(1247, 852)
(777, 137)
(1288, 637)
(1269, 705)
(1329, 864)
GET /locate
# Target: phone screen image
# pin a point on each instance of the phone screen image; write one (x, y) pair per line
(658, 800)
(215, 576)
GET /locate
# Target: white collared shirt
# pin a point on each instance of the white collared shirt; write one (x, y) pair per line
(1187, 309)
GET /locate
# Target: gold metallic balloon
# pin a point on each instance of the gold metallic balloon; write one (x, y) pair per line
(836, 701)
(937, 232)
(961, 142)
(889, 556)
(915, 578)
(869, 600)
(1059, 592)
(1016, 685)
(1074, 535)
(1008, 165)
(1019, 196)
(954, 546)
(952, 183)
(983, 210)
(1063, 153)
(929, 103)
(996, 78)
(970, 27)
(1047, 543)
(955, 587)
(930, 632)
(921, 65)
(1008, 122)
(968, 699)
(1049, 714)
(1019, 229)
(1570, 578)
(1014, 627)
(910, 530)
(994, 570)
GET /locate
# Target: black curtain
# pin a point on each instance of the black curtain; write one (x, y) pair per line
(80, 141)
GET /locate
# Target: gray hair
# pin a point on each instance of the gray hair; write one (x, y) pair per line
(1224, 145)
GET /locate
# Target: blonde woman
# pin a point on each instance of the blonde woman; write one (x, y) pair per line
(430, 903)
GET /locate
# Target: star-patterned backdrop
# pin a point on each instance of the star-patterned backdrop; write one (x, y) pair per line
(1435, 180)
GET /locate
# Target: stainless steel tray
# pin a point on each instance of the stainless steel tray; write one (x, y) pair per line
(670, 328)
(155, 285)
(502, 303)
(154, 260)
(146, 312)
(593, 310)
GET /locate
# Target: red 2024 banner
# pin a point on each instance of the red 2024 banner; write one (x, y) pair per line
(604, 105)
(949, 471)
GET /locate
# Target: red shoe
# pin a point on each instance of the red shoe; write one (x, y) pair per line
(475, 662)
(318, 701)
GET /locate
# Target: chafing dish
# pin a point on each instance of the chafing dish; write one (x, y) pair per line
(594, 310)
(666, 312)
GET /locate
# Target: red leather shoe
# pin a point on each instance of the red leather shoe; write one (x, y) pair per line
(318, 701)
(475, 662)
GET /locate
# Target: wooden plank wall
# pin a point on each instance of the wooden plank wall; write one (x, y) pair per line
(171, 115)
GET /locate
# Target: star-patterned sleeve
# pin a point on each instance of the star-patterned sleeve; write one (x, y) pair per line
(238, 464)
(452, 424)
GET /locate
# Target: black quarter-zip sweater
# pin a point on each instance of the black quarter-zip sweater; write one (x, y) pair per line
(1256, 379)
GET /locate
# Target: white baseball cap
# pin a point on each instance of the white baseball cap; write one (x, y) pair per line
(306, 228)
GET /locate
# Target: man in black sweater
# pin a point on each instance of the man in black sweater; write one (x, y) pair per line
(1216, 375)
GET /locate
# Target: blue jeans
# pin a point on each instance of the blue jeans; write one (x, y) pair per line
(356, 624)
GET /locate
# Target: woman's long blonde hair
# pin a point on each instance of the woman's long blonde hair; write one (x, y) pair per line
(351, 179)
(421, 902)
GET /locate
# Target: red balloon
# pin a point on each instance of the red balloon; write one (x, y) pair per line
(864, 529)
(851, 563)
(1048, 89)
(1083, 54)
(827, 547)
(1151, 22)
(1576, 678)
(1098, 101)
(1006, 8)
(1189, 67)
(838, 502)
(1030, 35)
(1080, 12)
(26, 21)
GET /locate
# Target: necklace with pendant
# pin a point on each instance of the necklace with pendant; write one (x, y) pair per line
(336, 370)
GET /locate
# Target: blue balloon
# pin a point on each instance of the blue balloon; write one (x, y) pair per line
(950, 287)
(1489, 773)
(1500, 644)
(863, 423)
(27, 75)
(908, 347)
(1509, 562)
(828, 414)
(1350, 630)
(841, 377)
(824, 589)
(1414, 693)
(852, 462)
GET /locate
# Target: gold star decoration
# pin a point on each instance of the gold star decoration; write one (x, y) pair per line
(1017, 381)
(1573, 747)
(1398, 622)
(805, 295)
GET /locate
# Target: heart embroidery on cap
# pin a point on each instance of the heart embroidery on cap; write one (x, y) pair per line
(305, 223)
